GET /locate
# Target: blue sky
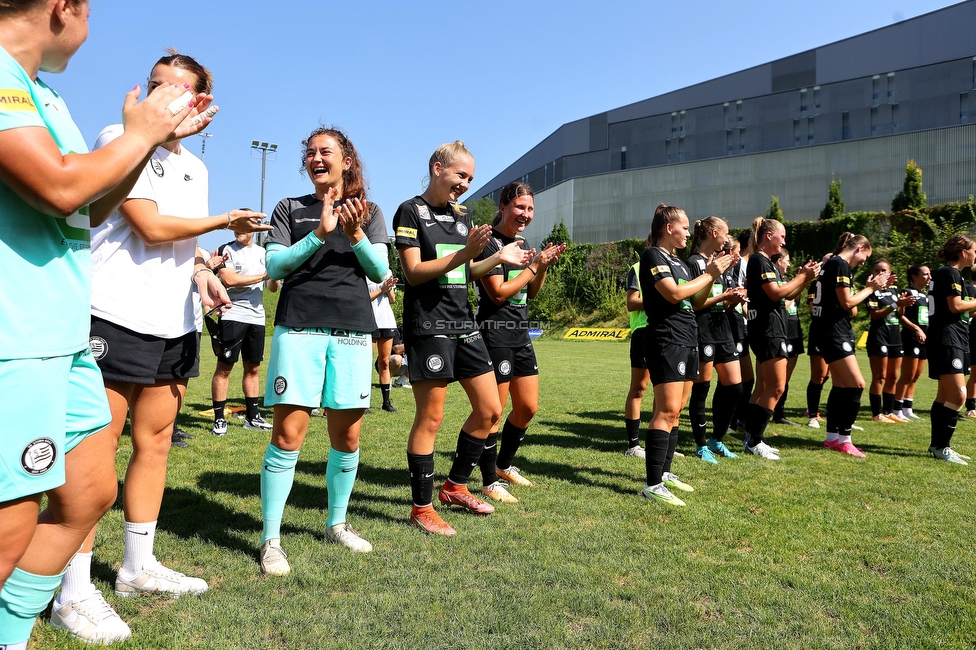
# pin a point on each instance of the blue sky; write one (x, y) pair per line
(400, 78)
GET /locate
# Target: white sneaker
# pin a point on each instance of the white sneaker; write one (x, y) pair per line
(854, 427)
(90, 619)
(345, 535)
(763, 451)
(814, 423)
(219, 427)
(636, 452)
(909, 413)
(157, 579)
(274, 562)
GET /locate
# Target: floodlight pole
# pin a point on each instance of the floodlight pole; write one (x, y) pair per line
(203, 146)
(265, 148)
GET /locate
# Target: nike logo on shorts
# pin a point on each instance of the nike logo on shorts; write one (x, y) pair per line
(366, 396)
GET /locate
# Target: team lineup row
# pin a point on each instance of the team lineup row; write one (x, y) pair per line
(110, 236)
(730, 298)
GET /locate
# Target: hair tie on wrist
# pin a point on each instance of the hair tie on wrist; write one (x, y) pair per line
(534, 272)
(229, 220)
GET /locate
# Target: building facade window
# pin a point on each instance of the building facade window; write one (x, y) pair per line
(810, 131)
(623, 157)
(891, 87)
(963, 107)
(874, 120)
(875, 90)
(845, 126)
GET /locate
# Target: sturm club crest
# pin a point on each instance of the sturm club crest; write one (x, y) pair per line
(738, 348)
(157, 167)
(39, 456)
(98, 346)
(847, 346)
(957, 364)
(884, 349)
(435, 362)
(681, 368)
(505, 367)
(462, 229)
(709, 351)
(280, 385)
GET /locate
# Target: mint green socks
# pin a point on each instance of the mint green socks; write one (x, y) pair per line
(277, 476)
(339, 479)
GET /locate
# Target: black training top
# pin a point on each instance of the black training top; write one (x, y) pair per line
(945, 328)
(793, 329)
(669, 323)
(830, 320)
(884, 331)
(504, 325)
(438, 306)
(917, 313)
(713, 323)
(329, 288)
(767, 317)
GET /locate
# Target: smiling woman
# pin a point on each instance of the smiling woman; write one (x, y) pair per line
(324, 246)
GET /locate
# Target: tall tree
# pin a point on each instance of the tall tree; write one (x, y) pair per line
(774, 211)
(911, 196)
(559, 234)
(835, 202)
(483, 210)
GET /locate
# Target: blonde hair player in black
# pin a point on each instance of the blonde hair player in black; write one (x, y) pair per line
(831, 328)
(672, 341)
(914, 327)
(948, 345)
(716, 346)
(503, 319)
(885, 350)
(767, 327)
(438, 244)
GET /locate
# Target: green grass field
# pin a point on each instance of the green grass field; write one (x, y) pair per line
(818, 550)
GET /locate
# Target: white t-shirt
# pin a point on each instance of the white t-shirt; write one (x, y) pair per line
(247, 302)
(382, 311)
(148, 289)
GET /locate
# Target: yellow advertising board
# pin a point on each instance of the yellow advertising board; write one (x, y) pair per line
(597, 334)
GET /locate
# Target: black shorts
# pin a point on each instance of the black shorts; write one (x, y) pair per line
(834, 349)
(239, 340)
(794, 348)
(765, 349)
(669, 363)
(638, 348)
(448, 356)
(915, 350)
(947, 361)
(514, 362)
(813, 346)
(883, 349)
(742, 349)
(134, 358)
(718, 353)
(384, 333)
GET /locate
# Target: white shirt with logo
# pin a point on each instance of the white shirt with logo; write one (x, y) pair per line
(148, 289)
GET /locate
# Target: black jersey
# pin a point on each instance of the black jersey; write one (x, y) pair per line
(667, 322)
(793, 329)
(968, 293)
(504, 325)
(830, 320)
(737, 315)
(884, 331)
(945, 328)
(329, 288)
(917, 313)
(438, 306)
(713, 323)
(767, 317)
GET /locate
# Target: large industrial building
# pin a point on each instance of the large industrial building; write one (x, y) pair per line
(856, 110)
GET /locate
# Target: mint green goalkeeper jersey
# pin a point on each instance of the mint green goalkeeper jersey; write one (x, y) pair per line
(45, 261)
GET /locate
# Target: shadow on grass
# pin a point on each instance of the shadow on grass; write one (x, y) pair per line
(303, 495)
